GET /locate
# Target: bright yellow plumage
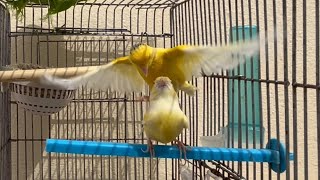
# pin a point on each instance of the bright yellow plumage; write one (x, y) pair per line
(164, 120)
(180, 64)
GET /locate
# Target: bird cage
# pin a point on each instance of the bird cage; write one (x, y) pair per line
(241, 109)
(4, 95)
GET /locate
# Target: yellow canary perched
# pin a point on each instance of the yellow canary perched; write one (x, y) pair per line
(180, 63)
(164, 120)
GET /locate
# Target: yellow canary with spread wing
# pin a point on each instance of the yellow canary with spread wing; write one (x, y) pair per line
(164, 120)
(179, 64)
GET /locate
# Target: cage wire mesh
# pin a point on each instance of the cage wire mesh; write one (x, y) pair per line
(5, 144)
(285, 104)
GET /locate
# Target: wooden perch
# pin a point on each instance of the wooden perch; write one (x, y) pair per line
(29, 75)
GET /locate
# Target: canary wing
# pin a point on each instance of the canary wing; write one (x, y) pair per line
(119, 75)
(205, 60)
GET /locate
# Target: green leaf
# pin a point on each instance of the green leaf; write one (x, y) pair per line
(55, 6)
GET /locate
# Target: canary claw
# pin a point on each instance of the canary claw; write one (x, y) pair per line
(150, 149)
(183, 149)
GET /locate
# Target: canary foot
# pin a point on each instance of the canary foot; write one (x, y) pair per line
(150, 149)
(182, 148)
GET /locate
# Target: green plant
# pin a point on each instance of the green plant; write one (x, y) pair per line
(54, 6)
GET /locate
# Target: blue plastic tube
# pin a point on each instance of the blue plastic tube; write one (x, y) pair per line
(161, 151)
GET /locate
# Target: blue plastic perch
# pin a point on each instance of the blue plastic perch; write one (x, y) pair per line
(275, 158)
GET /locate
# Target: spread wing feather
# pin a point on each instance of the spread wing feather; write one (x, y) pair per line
(119, 75)
(199, 60)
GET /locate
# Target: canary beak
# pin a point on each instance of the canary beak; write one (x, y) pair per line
(145, 70)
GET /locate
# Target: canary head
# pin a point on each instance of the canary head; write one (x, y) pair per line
(142, 55)
(162, 83)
